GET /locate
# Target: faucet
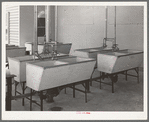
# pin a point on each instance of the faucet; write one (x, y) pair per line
(104, 43)
(54, 51)
(38, 55)
(47, 52)
(115, 47)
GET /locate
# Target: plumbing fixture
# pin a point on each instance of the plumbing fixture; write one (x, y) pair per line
(47, 52)
(37, 55)
(54, 51)
(46, 49)
(115, 47)
(113, 40)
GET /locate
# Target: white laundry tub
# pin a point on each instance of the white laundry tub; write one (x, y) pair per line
(17, 65)
(49, 74)
(121, 60)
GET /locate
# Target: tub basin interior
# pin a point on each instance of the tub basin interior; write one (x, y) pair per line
(49, 55)
(74, 60)
(115, 53)
(10, 45)
(105, 51)
(49, 63)
(24, 58)
(93, 50)
(118, 54)
(62, 61)
(128, 51)
(31, 57)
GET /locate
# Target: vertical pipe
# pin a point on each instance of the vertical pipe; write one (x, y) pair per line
(48, 23)
(105, 33)
(35, 43)
(115, 29)
(56, 26)
(106, 16)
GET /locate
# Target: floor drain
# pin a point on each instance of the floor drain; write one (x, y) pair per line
(56, 108)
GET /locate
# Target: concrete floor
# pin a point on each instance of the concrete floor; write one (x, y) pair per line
(128, 96)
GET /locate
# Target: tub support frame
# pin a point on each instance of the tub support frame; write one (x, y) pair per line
(29, 96)
(23, 87)
(72, 85)
(114, 77)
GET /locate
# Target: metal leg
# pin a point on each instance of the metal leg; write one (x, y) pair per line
(85, 93)
(8, 94)
(112, 86)
(88, 86)
(137, 74)
(100, 80)
(23, 91)
(41, 99)
(126, 75)
(91, 77)
(137, 71)
(15, 88)
(31, 101)
(73, 91)
(65, 90)
(91, 83)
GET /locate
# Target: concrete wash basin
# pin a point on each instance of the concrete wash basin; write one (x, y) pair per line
(62, 47)
(75, 60)
(47, 64)
(14, 51)
(17, 65)
(91, 52)
(49, 74)
(122, 60)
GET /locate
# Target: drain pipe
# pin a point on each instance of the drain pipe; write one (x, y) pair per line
(48, 23)
(115, 46)
(56, 26)
(114, 43)
(105, 35)
(35, 42)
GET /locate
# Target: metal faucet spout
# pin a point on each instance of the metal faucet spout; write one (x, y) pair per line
(54, 51)
(37, 55)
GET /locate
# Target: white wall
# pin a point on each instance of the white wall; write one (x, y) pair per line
(26, 24)
(84, 26)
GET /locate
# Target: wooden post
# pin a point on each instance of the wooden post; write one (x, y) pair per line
(9, 91)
